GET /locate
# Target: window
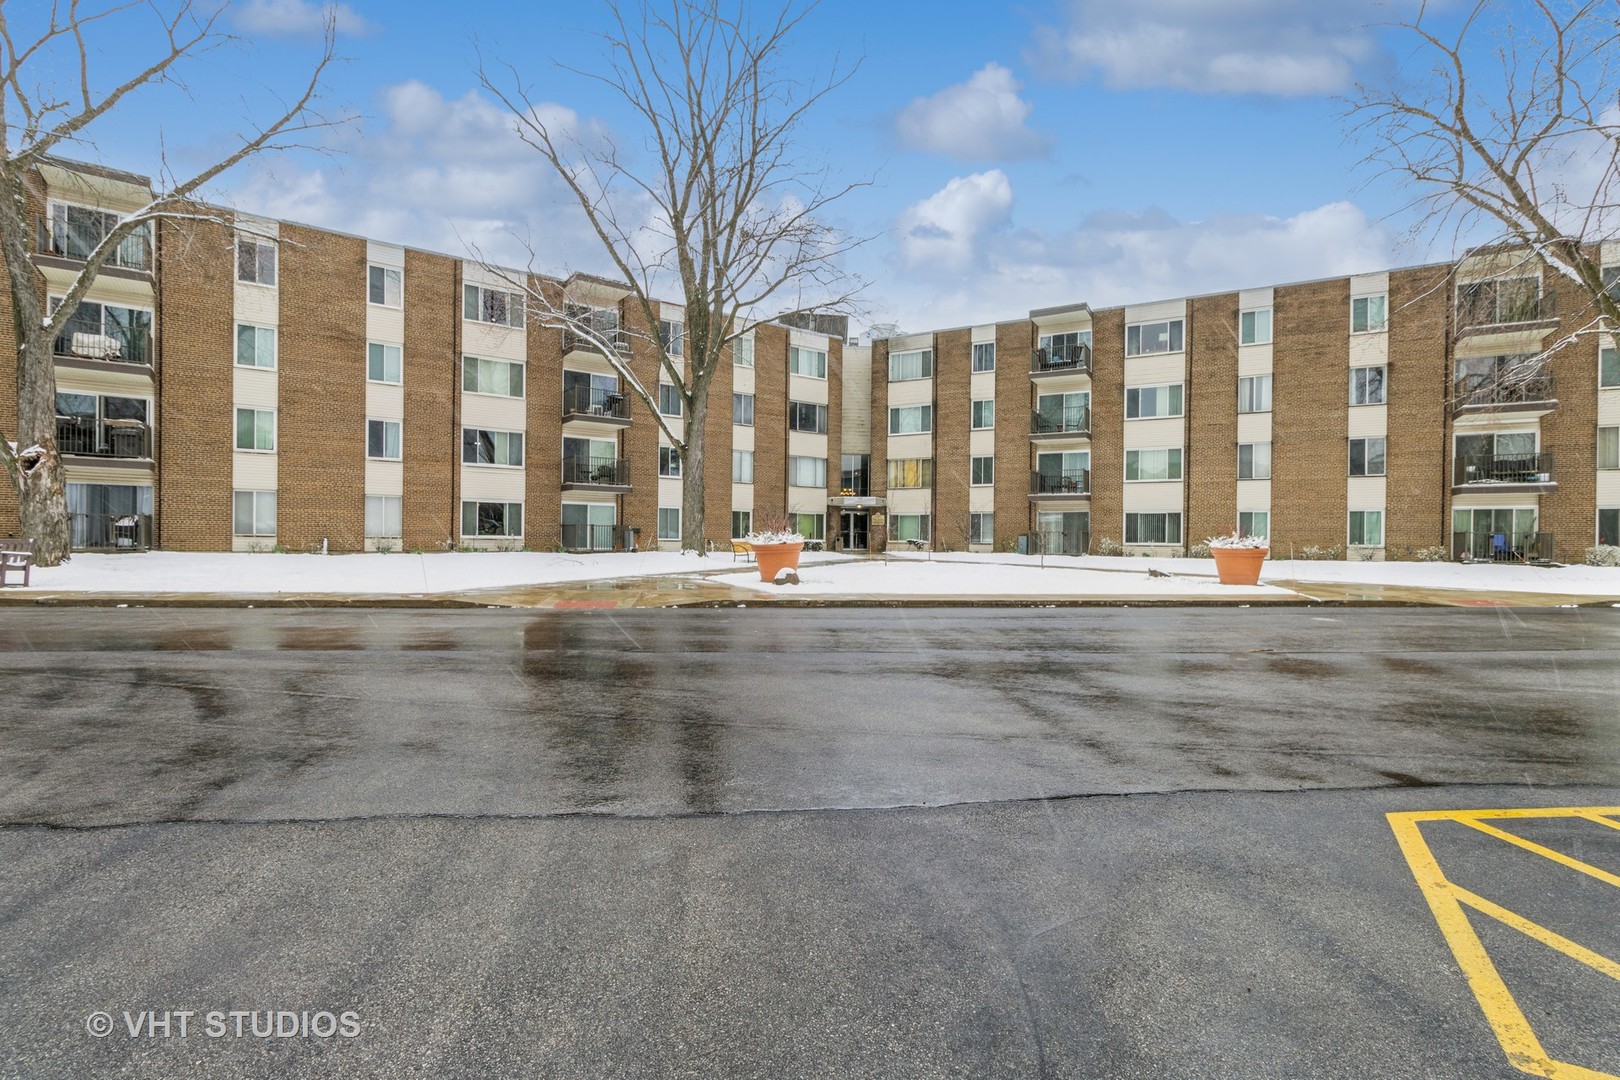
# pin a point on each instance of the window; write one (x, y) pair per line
(1254, 523)
(491, 519)
(1146, 402)
(809, 526)
(383, 439)
(255, 261)
(1609, 367)
(255, 346)
(742, 355)
(984, 414)
(984, 356)
(1145, 465)
(811, 362)
(855, 474)
(1611, 281)
(384, 363)
(981, 528)
(480, 376)
(807, 472)
(1254, 461)
(255, 429)
(669, 523)
(385, 286)
(1153, 528)
(1608, 448)
(1063, 472)
(1367, 457)
(984, 471)
(742, 467)
(1254, 327)
(253, 513)
(1504, 300)
(669, 461)
(742, 522)
(911, 473)
(1367, 528)
(1367, 385)
(903, 527)
(479, 447)
(1064, 350)
(669, 399)
(672, 336)
(1069, 412)
(76, 232)
(383, 516)
(1369, 314)
(599, 323)
(1254, 394)
(479, 303)
(587, 526)
(105, 332)
(803, 416)
(1608, 526)
(911, 420)
(1145, 339)
(916, 364)
(742, 410)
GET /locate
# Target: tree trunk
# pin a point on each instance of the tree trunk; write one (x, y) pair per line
(692, 487)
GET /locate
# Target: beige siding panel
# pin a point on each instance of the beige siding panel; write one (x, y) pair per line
(910, 392)
(255, 387)
(1608, 488)
(982, 500)
(1489, 500)
(742, 380)
(104, 381)
(1155, 312)
(385, 324)
(1254, 427)
(804, 444)
(385, 401)
(908, 343)
(742, 438)
(491, 483)
(495, 342)
(1249, 299)
(253, 472)
(496, 413)
(1369, 284)
(258, 304)
(101, 474)
(385, 477)
(910, 446)
(1608, 406)
(1366, 492)
(1154, 370)
(983, 443)
(1253, 495)
(1154, 434)
(982, 384)
(1366, 349)
(804, 388)
(1254, 360)
(1141, 497)
(669, 491)
(742, 497)
(122, 292)
(804, 500)
(908, 501)
(856, 420)
(1368, 421)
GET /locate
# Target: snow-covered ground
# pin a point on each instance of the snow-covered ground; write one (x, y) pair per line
(821, 574)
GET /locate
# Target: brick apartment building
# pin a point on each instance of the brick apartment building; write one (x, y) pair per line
(267, 385)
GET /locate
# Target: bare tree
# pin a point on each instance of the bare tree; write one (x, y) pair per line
(720, 210)
(40, 118)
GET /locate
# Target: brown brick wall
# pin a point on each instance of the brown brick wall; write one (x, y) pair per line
(639, 443)
(542, 478)
(1210, 464)
(770, 423)
(321, 423)
(717, 453)
(432, 365)
(1108, 425)
(1569, 432)
(880, 423)
(1416, 481)
(835, 429)
(195, 317)
(953, 393)
(1014, 402)
(1310, 418)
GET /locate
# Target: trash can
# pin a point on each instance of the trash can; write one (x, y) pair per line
(628, 536)
(1023, 544)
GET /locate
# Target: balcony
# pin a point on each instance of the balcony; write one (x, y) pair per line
(110, 532)
(74, 232)
(84, 436)
(596, 474)
(575, 342)
(1515, 394)
(1060, 360)
(119, 347)
(1069, 484)
(1502, 547)
(1069, 421)
(589, 537)
(1517, 472)
(1484, 305)
(600, 406)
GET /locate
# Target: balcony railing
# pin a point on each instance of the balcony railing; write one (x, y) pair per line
(1068, 482)
(1502, 546)
(1504, 392)
(572, 341)
(1075, 359)
(110, 532)
(1068, 420)
(588, 537)
(64, 240)
(89, 437)
(1503, 469)
(595, 472)
(121, 346)
(591, 402)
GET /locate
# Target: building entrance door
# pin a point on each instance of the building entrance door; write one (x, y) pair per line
(853, 529)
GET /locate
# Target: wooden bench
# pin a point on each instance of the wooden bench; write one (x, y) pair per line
(16, 557)
(741, 549)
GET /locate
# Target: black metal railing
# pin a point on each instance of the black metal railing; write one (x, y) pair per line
(588, 537)
(1059, 542)
(59, 238)
(87, 436)
(1503, 469)
(110, 532)
(1502, 546)
(590, 401)
(600, 472)
(1067, 482)
(1074, 419)
(1071, 358)
(119, 346)
(573, 340)
(1505, 390)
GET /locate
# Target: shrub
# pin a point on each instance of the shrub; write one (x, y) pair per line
(1435, 553)
(1198, 551)
(1109, 546)
(1367, 554)
(1603, 555)
(1321, 554)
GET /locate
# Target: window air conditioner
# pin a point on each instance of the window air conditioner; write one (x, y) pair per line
(97, 346)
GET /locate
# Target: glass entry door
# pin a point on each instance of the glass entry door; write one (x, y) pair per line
(1063, 532)
(853, 529)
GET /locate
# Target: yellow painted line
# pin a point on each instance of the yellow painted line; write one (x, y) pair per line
(1446, 900)
(1601, 820)
(1545, 852)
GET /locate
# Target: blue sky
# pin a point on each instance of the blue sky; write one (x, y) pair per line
(1021, 155)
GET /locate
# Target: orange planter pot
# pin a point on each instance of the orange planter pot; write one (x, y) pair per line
(774, 558)
(1239, 566)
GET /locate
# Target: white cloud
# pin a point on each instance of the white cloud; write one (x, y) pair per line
(949, 228)
(298, 18)
(1287, 48)
(979, 120)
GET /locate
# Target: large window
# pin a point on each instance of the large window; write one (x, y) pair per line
(105, 332)
(809, 526)
(1609, 367)
(1153, 528)
(1367, 528)
(911, 420)
(855, 474)
(913, 364)
(983, 471)
(1367, 385)
(587, 526)
(255, 346)
(669, 399)
(742, 523)
(479, 303)
(807, 472)
(803, 416)
(742, 410)
(255, 261)
(76, 232)
(742, 355)
(669, 461)
(1069, 412)
(255, 429)
(1148, 465)
(811, 362)
(480, 447)
(385, 286)
(1504, 300)
(253, 513)
(1369, 314)
(1608, 526)
(1367, 457)
(904, 527)
(1608, 448)
(1254, 461)
(981, 528)
(492, 519)
(911, 472)
(742, 467)
(669, 523)
(1145, 339)
(597, 326)
(384, 363)
(1254, 523)
(1254, 327)
(383, 439)
(672, 336)
(1254, 394)
(480, 376)
(383, 516)
(984, 414)
(1146, 402)
(984, 356)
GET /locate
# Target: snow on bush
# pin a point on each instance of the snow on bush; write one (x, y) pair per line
(777, 529)
(1109, 546)
(1198, 551)
(1431, 554)
(1238, 540)
(1603, 555)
